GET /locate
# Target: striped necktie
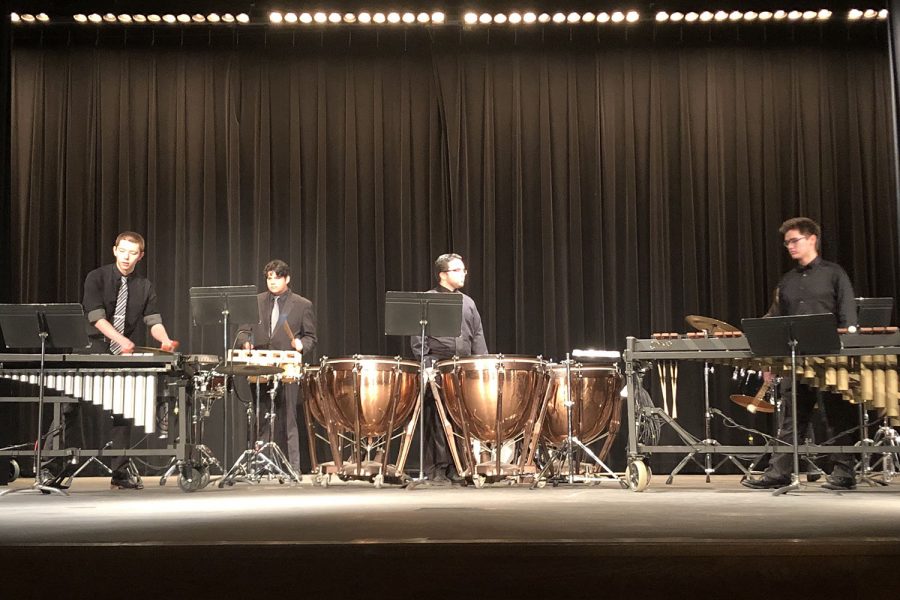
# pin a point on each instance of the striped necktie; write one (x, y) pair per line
(119, 316)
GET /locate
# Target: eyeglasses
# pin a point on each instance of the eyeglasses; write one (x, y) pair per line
(465, 271)
(795, 240)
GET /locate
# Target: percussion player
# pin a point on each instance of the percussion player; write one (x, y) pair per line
(813, 286)
(287, 322)
(450, 272)
(116, 299)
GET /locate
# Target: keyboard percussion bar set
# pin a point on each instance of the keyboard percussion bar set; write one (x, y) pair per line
(863, 372)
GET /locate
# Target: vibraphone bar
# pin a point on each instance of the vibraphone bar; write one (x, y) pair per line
(124, 385)
(864, 372)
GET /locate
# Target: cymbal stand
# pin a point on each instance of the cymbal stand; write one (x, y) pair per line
(242, 468)
(569, 446)
(795, 476)
(201, 405)
(888, 441)
(277, 464)
(707, 465)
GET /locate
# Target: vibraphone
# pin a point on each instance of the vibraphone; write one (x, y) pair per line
(124, 385)
(864, 372)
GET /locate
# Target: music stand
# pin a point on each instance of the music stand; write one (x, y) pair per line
(44, 326)
(800, 335)
(422, 313)
(874, 312)
(222, 304)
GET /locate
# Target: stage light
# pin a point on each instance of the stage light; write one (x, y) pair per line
(393, 17)
(515, 18)
(720, 15)
(883, 14)
(320, 17)
(854, 14)
(780, 15)
(618, 17)
(543, 18)
(632, 16)
(691, 17)
(794, 15)
(573, 17)
(123, 18)
(765, 15)
(409, 17)
(143, 19)
(559, 17)
(349, 18)
(290, 18)
(306, 18)
(662, 17)
(379, 18)
(529, 18)
(108, 17)
(364, 17)
(275, 17)
(154, 18)
(243, 18)
(485, 18)
(588, 17)
(42, 17)
(438, 17)
(198, 18)
(470, 18)
(228, 18)
(79, 18)
(423, 17)
(809, 15)
(500, 18)
(334, 17)
(169, 19)
(27, 17)
(211, 17)
(14, 18)
(736, 15)
(603, 17)
(183, 18)
(676, 17)
(95, 18)
(870, 13)
(750, 15)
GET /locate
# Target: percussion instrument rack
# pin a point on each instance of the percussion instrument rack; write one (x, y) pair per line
(723, 349)
(168, 365)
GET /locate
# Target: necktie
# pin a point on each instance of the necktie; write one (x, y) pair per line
(119, 316)
(275, 313)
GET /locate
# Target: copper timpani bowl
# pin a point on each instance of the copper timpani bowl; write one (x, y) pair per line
(596, 403)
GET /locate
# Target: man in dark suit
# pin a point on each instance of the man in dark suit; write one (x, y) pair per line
(287, 322)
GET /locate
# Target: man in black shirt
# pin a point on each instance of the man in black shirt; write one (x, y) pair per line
(450, 272)
(813, 286)
(287, 322)
(116, 301)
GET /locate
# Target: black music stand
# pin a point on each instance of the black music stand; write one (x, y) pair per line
(44, 326)
(223, 304)
(422, 313)
(874, 312)
(800, 335)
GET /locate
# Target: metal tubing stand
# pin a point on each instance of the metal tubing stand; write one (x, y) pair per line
(795, 476)
(568, 448)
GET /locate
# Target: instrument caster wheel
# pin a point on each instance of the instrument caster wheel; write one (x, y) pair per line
(813, 477)
(326, 481)
(638, 476)
(192, 484)
(541, 483)
(378, 481)
(14, 470)
(479, 481)
(204, 478)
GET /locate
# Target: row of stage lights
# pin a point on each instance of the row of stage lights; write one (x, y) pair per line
(469, 18)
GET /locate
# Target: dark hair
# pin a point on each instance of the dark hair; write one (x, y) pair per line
(442, 262)
(279, 267)
(131, 236)
(804, 225)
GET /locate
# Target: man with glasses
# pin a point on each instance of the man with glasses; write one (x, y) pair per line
(813, 286)
(450, 272)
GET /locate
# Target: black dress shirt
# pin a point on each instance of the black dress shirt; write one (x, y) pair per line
(819, 287)
(101, 290)
(470, 341)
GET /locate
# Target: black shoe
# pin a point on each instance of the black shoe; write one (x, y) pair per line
(766, 483)
(456, 479)
(439, 478)
(838, 483)
(125, 482)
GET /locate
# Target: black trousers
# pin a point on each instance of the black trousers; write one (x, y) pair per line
(840, 416)
(289, 421)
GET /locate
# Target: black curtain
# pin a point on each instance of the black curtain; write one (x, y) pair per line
(596, 190)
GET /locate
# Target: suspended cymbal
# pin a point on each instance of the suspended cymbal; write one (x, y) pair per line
(753, 404)
(246, 370)
(709, 325)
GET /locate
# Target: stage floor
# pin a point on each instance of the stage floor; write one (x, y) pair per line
(508, 538)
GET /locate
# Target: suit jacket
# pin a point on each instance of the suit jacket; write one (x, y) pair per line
(296, 311)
